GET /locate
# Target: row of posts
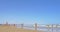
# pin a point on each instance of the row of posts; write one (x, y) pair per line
(22, 25)
(35, 26)
(52, 27)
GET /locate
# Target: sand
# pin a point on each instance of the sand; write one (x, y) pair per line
(7, 28)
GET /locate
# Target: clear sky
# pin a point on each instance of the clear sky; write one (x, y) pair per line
(30, 11)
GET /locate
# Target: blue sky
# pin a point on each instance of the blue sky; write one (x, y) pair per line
(30, 11)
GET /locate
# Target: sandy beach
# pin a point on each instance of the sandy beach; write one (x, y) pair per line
(7, 28)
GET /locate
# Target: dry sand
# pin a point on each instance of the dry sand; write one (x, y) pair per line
(7, 28)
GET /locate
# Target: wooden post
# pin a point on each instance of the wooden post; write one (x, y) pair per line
(14, 25)
(36, 27)
(6, 24)
(48, 28)
(56, 27)
(22, 26)
(52, 27)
